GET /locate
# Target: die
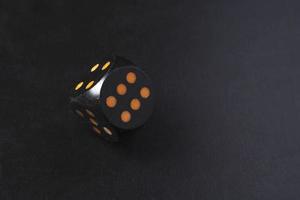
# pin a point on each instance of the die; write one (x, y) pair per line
(113, 97)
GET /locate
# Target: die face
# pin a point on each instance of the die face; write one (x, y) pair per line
(126, 97)
(88, 86)
(95, 120)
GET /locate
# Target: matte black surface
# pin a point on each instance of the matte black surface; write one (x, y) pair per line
(227, 119)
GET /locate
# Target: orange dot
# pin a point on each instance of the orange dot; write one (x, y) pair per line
(125, 116)
(135, 104)
(108, 131)
(121, 89)
(79, 113)
(90, 113)
(89, 85)
(145, 92)
(93, 122)
(111, 101)
(79, 85)
(131, 77)
(94, 67)
(106, 65)
(96, 130)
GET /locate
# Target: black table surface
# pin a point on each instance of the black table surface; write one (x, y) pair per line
(226, 123)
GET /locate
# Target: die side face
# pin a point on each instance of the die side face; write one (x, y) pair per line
(85, 99)
(127, 97)
(96, 122)
(92, 78)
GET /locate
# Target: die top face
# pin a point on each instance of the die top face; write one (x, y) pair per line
(126, 97)
(93, 77)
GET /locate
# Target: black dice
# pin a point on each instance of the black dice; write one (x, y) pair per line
(113, 96)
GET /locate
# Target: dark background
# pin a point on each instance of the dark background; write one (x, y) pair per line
(227, 117)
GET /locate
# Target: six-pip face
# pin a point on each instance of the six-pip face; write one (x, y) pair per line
(127, 97)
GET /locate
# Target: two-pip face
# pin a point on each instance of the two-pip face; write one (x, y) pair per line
(117, 93)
